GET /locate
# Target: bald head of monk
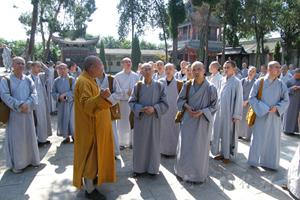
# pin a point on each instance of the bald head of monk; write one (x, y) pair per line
(93, 66)
(297, 74)
(18, 64)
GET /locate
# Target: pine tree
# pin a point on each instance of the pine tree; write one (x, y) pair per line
(277, 56)
(102, 55)
(136, 55)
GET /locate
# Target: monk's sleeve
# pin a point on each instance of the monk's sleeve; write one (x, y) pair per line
(92, 105)
(259, 107)
(32, 100)
(290, 87)
(212, 108)
(10, 101)
(181, 99)
(162, 106)
(284, 102)
(46, 75)
(54, 91)
(134, 105)
(238, 105)
(70, 94)
(117, 93)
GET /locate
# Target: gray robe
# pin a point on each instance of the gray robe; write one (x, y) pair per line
(114, 99)
(293, 175)
(244, 72)
(51, 102)
(7, 59)
(169, 130)
(230, 101)
(126, 82)
(156, 76)
(43, 128)
(265, 145)
(243, 129)
(192, 156)
(286, 77)
(146, 136)
(20, 140)
(178, 76)
(65, 113)
(76, 73)
(239, 76)
(290, 117)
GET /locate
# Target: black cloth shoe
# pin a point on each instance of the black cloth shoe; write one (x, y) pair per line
(135, 174)
(95, 194)
(152, 174)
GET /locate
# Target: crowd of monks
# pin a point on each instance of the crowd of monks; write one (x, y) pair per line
(212, 106)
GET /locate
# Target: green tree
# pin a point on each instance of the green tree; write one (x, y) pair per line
(102, 55)
(298, 50)
(287, 22)
(133, 16)
(259, 18)
(177, 14)
(136, 55)
(276, 55)
(160, 19)
(204, 39)
(73, 24)
(229, 14)
(147, 45)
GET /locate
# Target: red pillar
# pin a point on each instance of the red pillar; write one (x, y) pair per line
(189, 56)
(184, 56)
(188, 32)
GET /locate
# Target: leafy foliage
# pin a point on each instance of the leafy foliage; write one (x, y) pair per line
(102, 55)
(67, 18)
(136, 55)
(276, 55)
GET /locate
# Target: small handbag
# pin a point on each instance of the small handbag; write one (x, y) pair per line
(4, 109)
(251, 114)
(115, 111)
(179, 114)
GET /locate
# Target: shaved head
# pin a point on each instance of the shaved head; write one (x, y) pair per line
(272, 63)
(216, 64)
(297, 70)
(17, 58)
(89, 61)
(197, 63)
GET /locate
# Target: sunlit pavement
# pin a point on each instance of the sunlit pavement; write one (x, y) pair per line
(52, 179)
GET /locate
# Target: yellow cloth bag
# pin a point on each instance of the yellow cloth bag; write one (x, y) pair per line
(251, 114)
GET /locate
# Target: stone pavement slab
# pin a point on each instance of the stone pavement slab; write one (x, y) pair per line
(52, 179)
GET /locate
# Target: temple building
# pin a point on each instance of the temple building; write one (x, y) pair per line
(189, 36)
(77, 50)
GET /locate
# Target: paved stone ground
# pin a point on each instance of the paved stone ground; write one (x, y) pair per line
(235, 180)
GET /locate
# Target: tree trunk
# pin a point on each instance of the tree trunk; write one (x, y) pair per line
(132, 29)
(262, 60)
(201, 46)
(35, 3)
(166, 48)
(50, 35)
(175, 48)
(207, 29)
(224, 44)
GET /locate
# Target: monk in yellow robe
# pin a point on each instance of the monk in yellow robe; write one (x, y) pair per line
(93, 145)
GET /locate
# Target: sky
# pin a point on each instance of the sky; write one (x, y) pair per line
(105, 20)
